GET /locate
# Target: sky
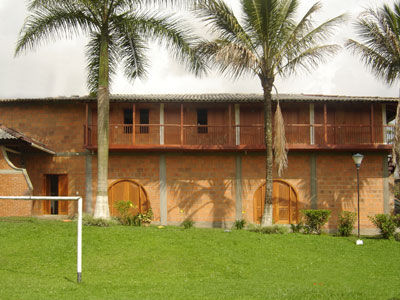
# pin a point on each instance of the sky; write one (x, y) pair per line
(58, 68)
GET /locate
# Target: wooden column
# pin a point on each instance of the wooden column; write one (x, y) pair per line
(162, 130)
(325, 123)
(312, 130)
(372, 124)
(87, 126)
(384, 124)
(133, 123)
(182, 124)
(237, 124)
(230, 124)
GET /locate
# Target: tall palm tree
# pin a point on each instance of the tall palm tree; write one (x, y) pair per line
(266, 42)
(118, 31)
(379, 49)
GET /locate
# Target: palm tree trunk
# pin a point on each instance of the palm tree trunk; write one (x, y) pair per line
(103, 106)
(267, 88)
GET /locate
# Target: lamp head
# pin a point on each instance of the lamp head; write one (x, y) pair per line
(357, 158)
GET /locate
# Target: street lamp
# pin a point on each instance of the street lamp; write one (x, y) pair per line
(357, 158)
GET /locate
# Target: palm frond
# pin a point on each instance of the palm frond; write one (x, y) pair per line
(169, 32)
(132, 49)
(309, 59)
(380, 46)
(280, 147)
(222, 21)
(51, 23)
(230, 56)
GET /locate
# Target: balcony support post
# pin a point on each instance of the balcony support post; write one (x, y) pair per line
(181, 124)
(237, 124)
(230, 124)
(312, 133)
(325, 123)
(133, 123)
(87, 125)
(372, 124)
(162, 131)
(384, 123)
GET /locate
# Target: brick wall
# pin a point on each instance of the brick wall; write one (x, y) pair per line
(337, 186)
(200, 187)
(13, 185)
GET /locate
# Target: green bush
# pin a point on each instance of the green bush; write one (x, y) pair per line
(385, 223)
(125, 211)
(315, 219)
(239, 224)
(274, 229)
(347, 219)
(296, 228)
(397, 236)
(188, 223)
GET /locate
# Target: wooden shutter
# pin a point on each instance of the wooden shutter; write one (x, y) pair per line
(63, 191)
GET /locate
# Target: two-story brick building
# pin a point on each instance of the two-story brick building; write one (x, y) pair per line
(200, 156)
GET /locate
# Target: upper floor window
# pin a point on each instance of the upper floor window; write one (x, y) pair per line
(128, 120)
(202, 120)
(144, 119)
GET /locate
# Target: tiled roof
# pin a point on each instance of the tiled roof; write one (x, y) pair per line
(8, 135)
(231, 98)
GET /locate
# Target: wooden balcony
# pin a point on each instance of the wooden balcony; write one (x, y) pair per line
(231, 138)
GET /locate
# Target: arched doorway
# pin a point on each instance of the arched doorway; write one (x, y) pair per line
(284, 200)
(127, 190)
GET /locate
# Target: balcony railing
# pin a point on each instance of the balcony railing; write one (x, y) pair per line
(243, 136)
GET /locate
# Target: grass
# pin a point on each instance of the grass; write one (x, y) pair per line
(38, 261)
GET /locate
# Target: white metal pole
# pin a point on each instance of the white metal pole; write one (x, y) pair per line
(79, 244)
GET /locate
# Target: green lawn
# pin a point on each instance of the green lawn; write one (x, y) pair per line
(38, 261)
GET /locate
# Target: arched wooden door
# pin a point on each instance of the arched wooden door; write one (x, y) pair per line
(284, 200)
(127, 190)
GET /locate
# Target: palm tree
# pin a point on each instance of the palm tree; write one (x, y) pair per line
(379, 31)
(266, 42)
(118, 31)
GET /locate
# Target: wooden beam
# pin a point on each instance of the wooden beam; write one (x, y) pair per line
(87, 125)
(230, 124)
(325, 123)
(372, 124)
(133, 123)
(181, 124)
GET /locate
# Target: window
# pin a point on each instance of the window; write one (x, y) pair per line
(202, 120)
(144, 119)
(128, 120)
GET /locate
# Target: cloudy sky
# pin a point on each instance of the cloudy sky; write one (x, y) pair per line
(58, 69)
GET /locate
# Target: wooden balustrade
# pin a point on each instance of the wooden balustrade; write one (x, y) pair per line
(128, 136)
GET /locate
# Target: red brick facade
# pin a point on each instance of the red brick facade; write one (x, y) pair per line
(201, 186)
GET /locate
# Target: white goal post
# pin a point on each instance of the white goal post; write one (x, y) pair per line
(79, 238)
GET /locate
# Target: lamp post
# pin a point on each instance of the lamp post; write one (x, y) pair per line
(357, 158)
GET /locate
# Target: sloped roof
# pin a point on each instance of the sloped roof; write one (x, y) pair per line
(230, 98)
(8, 135)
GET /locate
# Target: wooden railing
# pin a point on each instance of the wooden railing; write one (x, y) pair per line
(152, 135)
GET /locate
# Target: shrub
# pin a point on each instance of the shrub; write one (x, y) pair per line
(125, 210)
(188, 223)
(274, 229)
(346, 223)
(396, 219)
(385, 223)
(296, 228)
(397, 236)
(239, 224)
(314, 219)
(143, 218)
